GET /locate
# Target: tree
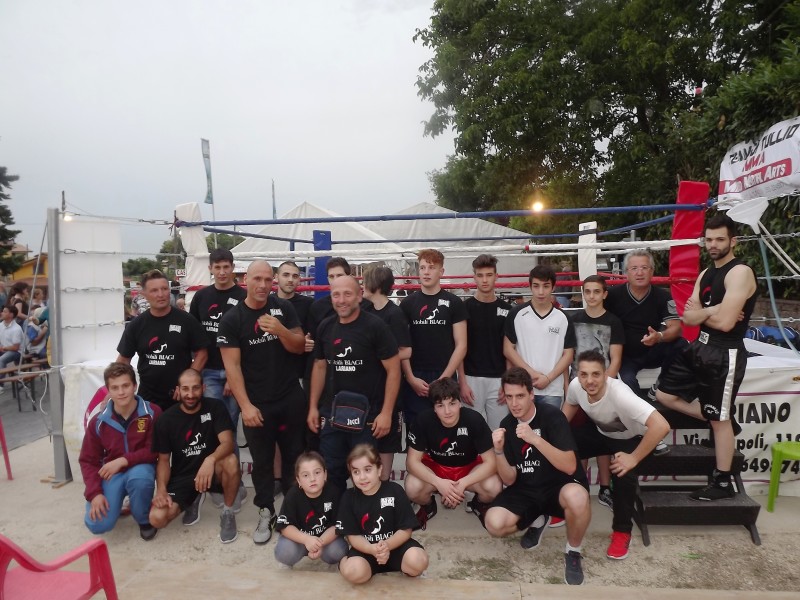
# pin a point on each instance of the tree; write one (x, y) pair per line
(8, 262)
(135, 267)
(172, 256)
(584, 91)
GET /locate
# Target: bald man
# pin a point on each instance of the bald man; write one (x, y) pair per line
(257, 340)
(363, 355)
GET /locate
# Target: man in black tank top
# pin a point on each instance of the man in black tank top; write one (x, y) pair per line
(704, 379)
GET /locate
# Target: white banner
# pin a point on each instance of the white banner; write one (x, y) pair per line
(767, 167)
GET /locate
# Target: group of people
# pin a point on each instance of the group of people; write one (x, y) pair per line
(24, 327)
(501, 404)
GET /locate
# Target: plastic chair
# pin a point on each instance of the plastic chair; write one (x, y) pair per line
(4, 446)
(35, 580)
(781, 451)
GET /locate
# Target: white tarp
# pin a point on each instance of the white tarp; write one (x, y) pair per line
(766, 167)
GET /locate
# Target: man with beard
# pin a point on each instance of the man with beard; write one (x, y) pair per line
(197, 435)
(703, 380)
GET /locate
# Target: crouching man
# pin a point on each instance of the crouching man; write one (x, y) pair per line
(537, 461)
(116, 457)
(450, 452)
(198, 435)
(621, 425)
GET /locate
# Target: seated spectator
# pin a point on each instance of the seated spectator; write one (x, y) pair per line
(11, 338)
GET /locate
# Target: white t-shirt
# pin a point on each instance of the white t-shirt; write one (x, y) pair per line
(540, 341)
(11, 334)
(619, 414)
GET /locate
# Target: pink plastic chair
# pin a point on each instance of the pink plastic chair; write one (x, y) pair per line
(35, 580)
(5, 449)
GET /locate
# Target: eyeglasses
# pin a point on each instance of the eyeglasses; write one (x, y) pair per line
(638, 269)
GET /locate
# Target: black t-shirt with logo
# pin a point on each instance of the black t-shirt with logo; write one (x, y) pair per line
(208, 306)
(376, 517)
(485, 332)
(310, 515)
(164, 345)
(534, 471)
(455, 446)
(637, 315)
(301, 305)
(267, 366)
(396, 320)
(354, 352)
(431, 319)
(190, 438)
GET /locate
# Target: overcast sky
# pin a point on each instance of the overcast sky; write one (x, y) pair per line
(108, 100)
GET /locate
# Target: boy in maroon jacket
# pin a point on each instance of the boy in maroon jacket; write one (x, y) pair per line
(116, 457)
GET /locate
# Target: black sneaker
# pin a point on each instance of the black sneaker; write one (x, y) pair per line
(651, 393)
(533, 536)
(713, 492)
(147, 532)
(426, 513)
(478, 508)
(573, 571)
(192, 513)
(604, 497)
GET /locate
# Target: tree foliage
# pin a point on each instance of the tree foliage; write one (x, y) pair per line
(8, 262)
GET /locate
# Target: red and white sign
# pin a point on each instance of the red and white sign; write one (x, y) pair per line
(767, 167)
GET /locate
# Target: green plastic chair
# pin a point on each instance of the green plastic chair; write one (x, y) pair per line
(781, 451)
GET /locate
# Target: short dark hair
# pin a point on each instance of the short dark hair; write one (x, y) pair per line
(337, 261)
(441, 389)
(379, 279)
(517, 376)
(220, 255)
(596, 279)
(150, 276)
(542, 273)
(290, 263)
(485, 261)
(118, 369)
(592, 356)
(12, 309)
(721, 220)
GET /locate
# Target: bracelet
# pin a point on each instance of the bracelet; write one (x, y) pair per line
(498, 453)
(660, 336)
(549, 381)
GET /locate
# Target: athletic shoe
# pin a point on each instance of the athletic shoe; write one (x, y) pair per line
(126, 507)
(426, 513)
(604, 497)
(147, 532)
(651, 393)
(713, 492)
(266, 523)
(618, 548)
(533, 536)
(469, 497)
(478, 508)
(573, 571)
(227, 527)
(557, 522)
(217, 499)
(661, 449)
(241, 497)
(192, 513)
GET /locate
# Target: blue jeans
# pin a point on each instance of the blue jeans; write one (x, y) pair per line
(7, 358)
(138, 484)
(215, 380)
(335, 445)
(289, 553)
(551, 400)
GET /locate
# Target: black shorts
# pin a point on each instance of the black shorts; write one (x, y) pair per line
(710, 373)
(395, 561)
(183, 492)
(530, 504)
(392, 441)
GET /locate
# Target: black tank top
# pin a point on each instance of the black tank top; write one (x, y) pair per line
(712, 290)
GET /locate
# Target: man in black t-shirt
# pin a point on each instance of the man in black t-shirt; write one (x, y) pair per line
(197, 437)
(288, 280)
(257, 340)
(164, 339)
(538, 462)
(484, 364)
(650, 319)
(355, 352)
(437, 322)
(450, 452)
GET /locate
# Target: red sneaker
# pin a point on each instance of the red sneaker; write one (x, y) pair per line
(618, 548)
(557, 522)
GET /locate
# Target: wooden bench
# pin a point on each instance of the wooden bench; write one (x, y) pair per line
(662, 504)
(20, 375)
